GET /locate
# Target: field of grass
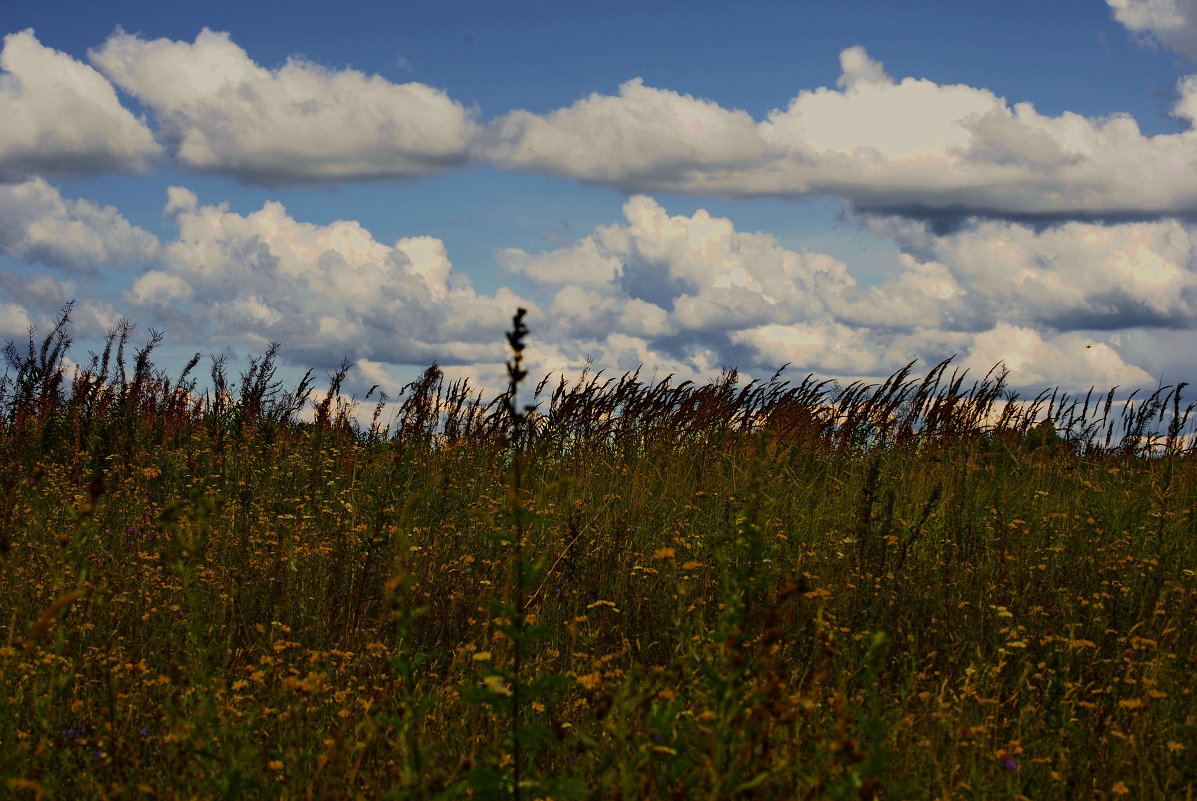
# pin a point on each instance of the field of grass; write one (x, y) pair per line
(772, 590)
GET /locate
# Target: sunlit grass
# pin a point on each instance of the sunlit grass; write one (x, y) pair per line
(888, 594)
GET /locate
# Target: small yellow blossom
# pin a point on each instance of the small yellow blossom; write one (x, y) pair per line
(591, 680)
(497, 685)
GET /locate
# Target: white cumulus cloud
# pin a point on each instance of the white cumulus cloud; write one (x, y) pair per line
(325, 291)
(1067, 360)
(37, 300)
(909, 146)
(60, 116)
(37, 224)
(642, 137)
(1072, 276)
(300, 123)
(686, 294)
(14, 322)
(1171, 23)
(692, 291)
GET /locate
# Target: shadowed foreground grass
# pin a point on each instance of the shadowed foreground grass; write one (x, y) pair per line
(666, 591)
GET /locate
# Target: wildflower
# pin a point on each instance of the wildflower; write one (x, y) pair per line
(590, 680)
(611, 604)
(497, 685)
(1007, 761)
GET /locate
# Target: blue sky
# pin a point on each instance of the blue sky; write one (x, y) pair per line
(844, 186)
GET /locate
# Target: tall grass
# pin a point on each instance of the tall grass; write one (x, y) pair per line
(922, 588)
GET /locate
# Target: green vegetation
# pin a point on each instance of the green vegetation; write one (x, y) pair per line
(911, 590)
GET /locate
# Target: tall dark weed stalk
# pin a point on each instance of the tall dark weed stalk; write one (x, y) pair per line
(522, 682)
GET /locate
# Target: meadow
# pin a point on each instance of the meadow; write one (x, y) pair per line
(924, 588)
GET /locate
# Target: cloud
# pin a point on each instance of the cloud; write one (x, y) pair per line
(37, 299)
(326, 291)
(40, 291)
(1076, 276)
(14, 322)
(694, 288)
(688, 295)
(1074, 305)
(1069, 360)
(37, 224)
(301, 123)
(644, 137)
(61, 117)
(1170, 23)
(582, 263)
(693, 293)
(833, 347)
(910, 147)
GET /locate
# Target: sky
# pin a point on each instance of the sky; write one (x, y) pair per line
(673, 187)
